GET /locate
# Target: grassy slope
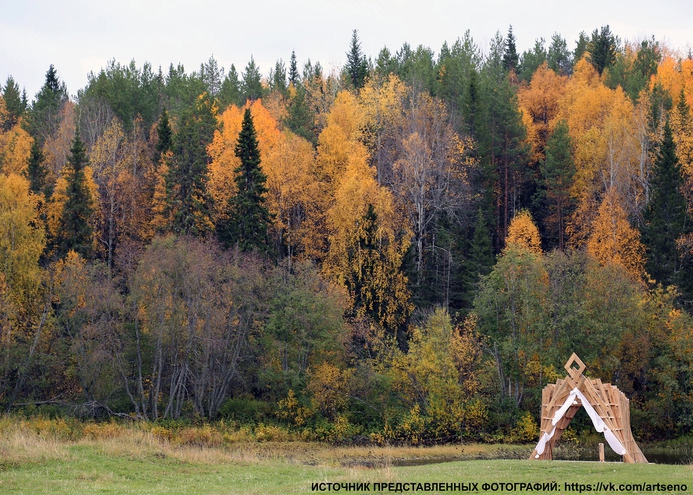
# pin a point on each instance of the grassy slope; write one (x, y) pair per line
(106, 467)
(48, 457)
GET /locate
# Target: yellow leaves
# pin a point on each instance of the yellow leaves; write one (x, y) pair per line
(523, 233)
(21, 240)
(54, 207)
(295, 197)
(160, 219)
(57, 146)
(613, 240)
(585, 74)
(356, 191)
(105, 155)
(675, 75)
(465, 350)
(329, 387)
(369, 251)
(294, 194)
(608, 145)
(71, 276)
(15, 149)
(539, 102)
(15, 145)
(224, 161)
(347, 114)
(203, 100)
(338, 144)
(291, 409)
(437, 377)
(383, 103)
(221, 184)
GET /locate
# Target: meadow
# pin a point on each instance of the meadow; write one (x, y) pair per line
(56, 456)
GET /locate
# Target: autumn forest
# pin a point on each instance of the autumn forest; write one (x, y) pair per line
(406, 249)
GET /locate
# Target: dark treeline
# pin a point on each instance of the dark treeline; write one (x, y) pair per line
(407, 249)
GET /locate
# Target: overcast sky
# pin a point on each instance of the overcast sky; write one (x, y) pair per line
(79, 36)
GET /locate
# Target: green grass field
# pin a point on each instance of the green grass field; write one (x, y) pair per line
(54, 460)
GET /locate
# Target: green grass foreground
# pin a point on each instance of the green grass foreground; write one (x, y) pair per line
(38, 458)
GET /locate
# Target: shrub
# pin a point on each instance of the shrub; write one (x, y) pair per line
(526, 430)
(204, 436)
(340, 430)
(245, 411)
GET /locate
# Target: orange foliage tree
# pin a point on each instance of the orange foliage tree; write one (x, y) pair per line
(539, 102)
(608, 151)
(288, 162)
(15, 145)
(523, 233)
(613, 240)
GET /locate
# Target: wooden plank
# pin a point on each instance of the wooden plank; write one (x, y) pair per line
(612, 406)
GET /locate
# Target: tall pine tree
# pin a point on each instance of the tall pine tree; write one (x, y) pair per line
(75, 232)
(666, 220)
(249, 217)
(557, 172)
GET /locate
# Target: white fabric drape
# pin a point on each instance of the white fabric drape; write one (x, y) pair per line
(600, 426)
(556, 418)
(597, 421)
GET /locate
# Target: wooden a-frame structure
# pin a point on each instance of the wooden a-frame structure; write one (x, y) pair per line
(606, 405)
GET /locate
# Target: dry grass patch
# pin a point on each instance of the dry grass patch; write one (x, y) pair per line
(39, 439)
(20, 446)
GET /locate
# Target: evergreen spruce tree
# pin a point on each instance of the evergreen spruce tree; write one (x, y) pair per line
(299, 118)
(558, 56)
(357, 65)
(212, 75)
(44, 117)
(472, 110)
(249, 218)
(666, 220)
(479, 260)
(682, 114)
(230, 93)
(602, 49)
(531, 60)
(503, 154)
(186, 181)
(251, 85)
(556, 180)
(510, 56)
(164, 142)
(581, 46)
(36, 172)
(278, 78)
(13, 103)
(375, 284)
(75, 232)
(293, 69)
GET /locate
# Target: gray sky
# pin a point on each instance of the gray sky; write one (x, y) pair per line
(79, 36)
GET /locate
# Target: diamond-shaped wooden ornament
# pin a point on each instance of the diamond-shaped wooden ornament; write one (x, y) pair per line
(570, 366)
